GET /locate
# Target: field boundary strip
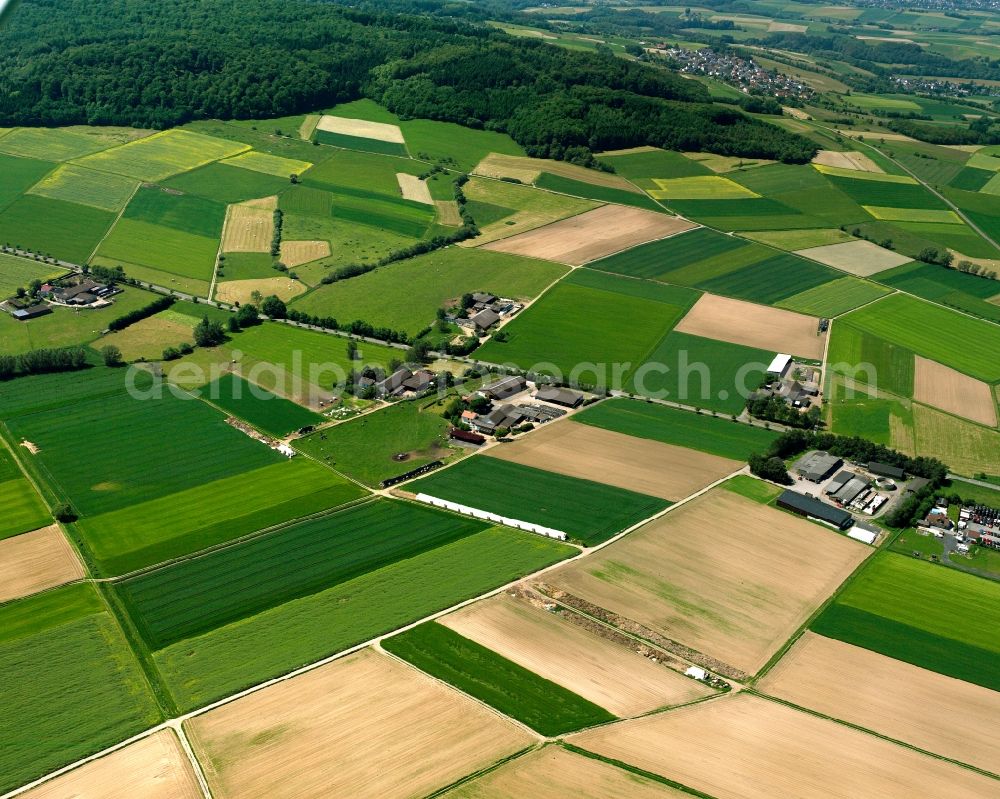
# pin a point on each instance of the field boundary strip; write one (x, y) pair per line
(121, 213)
(868, 731)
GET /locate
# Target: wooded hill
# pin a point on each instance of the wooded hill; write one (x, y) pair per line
(131, 62)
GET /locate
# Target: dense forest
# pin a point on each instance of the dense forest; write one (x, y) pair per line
(133, 62)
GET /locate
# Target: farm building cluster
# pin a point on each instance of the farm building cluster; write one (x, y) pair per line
(841, 493)
(969, 524)
(78, 291)
(511, 402)
(797, 384)
(401, 383)
(486, 311)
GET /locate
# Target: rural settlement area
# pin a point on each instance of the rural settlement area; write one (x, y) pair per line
(415, 466)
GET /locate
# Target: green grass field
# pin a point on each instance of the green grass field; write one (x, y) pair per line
(75, 184)
(711, 434)
(44, 392)
(67, 231)
(273, 642)
(965, 344)
(458, 146)
(18, 272)
(23, 509)
(834, 298)
(491, 678)
(406, 295)
(19, 175)
(752, 488)
(365, 448)
(852, 347)
(654, 164)
(587, 511)
(895, 607)
(72, 685)
(701, 372)
(192, 519)
(360, 143)
(165, 249)
(799, 239)
(227, 185)
(192, 444)
(195, 596)
(959, 290)
(264, 410)
(573, 325)
(162, 155)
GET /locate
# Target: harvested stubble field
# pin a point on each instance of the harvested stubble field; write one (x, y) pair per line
(155, 767)
(723, 574)
(966, 447)
(447, 213)
(592, 235)
(413, 188)
(361, 128)
(221, 662)
(555, 773)
(861, 258)
(608, 674)
(584, 509)
(35, 561)
(710, 434)
(751, 325)
(242, 291)
(954, 392)
(745, 747)
(930, 711)
(148, 337)
(296, 253)
(847, 160)
(363, 726)
(636, 464)
(247, 229)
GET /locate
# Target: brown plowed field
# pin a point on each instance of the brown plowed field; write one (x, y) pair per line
(35, 561)
(554, 773)
(153, 768)
(752, 325)
(638, 464)
(592, 235)
(745, 747)
(939, 385)
(722, 574)
(362, 726)
(928, 710)
(619, 680)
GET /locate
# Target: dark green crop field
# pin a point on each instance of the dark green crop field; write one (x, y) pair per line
(71, 684)
(950, 287)
(884, 194)
(922, 613)
(607, 194)
(264, 410)
(185, 213)
(655, 164)
(227, 184)
(721, 437)
(588, 511)
(771, 280)
(658, 258)
(360, 143)
(851, 347)
(198, 595)
(198, 670)
(510, 688)
(46, 391)
(19, 175)
(67, 231)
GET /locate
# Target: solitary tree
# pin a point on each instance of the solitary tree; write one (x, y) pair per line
(352, 350)
(208, 333)
(274, 307)
(112, 355)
